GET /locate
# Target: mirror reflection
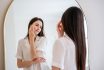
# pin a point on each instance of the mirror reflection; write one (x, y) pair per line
(16, 25)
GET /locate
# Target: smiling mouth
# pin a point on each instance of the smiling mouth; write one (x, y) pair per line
(37, 31)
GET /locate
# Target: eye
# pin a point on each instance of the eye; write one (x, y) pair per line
(37, 24)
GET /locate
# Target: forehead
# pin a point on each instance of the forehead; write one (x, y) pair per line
(37, 22)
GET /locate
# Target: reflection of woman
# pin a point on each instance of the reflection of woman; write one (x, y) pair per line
(69, 51)
(30, 52)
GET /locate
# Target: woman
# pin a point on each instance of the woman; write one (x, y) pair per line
(69, 51)
(30, 52)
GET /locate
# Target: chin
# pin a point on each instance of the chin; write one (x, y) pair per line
(37, 33)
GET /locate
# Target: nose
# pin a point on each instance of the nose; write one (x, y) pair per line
(38, 29)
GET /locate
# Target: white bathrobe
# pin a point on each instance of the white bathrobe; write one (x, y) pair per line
(23, 52)
(64, 54)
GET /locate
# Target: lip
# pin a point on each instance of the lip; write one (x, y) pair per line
(37, 30)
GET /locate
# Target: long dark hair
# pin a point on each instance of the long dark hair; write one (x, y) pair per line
(34, 20)
(73, 24)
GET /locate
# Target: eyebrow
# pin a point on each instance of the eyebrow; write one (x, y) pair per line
(38, 24)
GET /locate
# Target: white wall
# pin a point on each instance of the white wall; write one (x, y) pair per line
(94, 11)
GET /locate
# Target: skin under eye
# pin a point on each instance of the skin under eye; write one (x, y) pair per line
(38, 25)
(41, 27)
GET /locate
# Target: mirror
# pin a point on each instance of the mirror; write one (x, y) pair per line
(17, 18)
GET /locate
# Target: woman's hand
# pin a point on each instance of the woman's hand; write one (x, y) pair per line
(60, 29)
(39, 60)
(32, 34)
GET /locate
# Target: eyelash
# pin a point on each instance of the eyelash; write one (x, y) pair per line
(38, 25)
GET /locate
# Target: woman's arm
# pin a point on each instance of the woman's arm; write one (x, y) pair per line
(32, 37)
(22, 64)
(33, 50)
(55, 68)
(35, 54)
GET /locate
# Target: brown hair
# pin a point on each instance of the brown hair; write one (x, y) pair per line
(73, 24)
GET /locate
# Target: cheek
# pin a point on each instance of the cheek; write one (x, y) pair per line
(40, 29)
(35, 27)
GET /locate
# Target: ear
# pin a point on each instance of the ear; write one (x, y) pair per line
(59, 24)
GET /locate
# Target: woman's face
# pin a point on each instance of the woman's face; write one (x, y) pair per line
(36, 26)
